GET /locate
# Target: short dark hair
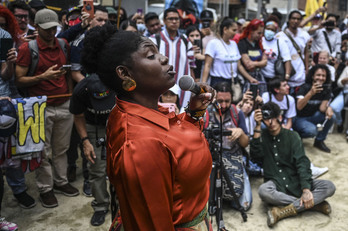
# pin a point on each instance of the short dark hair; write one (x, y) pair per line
(332, 15)
(18, 4)
(125, 23)
(295, 12)
(274, 83)
(171, 9)
(273, 107)
(100, 8)
(223, 87)
(149, 16)
(311, 72)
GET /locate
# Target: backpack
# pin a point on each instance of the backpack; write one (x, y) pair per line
(158, 40)
(233, 112)
(34, 54)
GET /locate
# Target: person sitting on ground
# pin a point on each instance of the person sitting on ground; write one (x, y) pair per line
(287, 174)
(313, 106)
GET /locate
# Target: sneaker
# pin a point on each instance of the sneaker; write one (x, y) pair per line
(71, 172)
(48, 199)
(87, 191)
(7, 226)
(67, 190)
(24, 200)
(316, 171)
(98, 218)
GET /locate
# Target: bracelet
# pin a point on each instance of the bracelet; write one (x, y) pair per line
(83, 139)
(257, 131)
(196, 115)
(287, 76)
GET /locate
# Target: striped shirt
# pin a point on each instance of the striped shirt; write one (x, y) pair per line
(180, 56)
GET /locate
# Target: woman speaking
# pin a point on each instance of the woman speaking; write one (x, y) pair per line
(158, 162)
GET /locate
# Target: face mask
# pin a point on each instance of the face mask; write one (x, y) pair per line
(269, 35)
(141, 27)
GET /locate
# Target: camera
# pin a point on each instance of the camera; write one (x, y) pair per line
(213, 133)
(266, 114)
(100, 142)
(329, 24)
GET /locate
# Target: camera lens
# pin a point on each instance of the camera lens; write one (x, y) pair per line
(266, 114)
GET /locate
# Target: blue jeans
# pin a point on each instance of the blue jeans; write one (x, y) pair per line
(337, 105)
(15, 179)
(307, 126)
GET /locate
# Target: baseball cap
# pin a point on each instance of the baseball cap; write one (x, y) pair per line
(102, 98)
(206, 15)
(46, 19)
(241, 21)
(8, 118)
(37, 4)
(111, 10)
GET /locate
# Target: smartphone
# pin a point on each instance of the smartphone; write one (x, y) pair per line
(65, 67)
(5, 45)
(326, 86)
(253, 88)
(205, 24)
(197, 42)
(88, 7)
(140, 11)
(170, 106)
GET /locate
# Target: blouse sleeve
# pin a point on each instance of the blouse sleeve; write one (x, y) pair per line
(146, 169)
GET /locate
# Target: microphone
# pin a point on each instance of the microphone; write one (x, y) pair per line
(186, 83)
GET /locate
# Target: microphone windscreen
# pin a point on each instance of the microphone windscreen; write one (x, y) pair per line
(186, 83)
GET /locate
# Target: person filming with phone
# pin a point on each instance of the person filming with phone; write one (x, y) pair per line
(314, 114)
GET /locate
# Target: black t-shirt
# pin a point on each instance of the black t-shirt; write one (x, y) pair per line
(314, 103)
(80, 103)
(252, 50)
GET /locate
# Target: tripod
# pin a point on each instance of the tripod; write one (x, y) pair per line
(219, 171)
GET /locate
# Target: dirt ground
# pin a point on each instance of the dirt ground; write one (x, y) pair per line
(74, 213)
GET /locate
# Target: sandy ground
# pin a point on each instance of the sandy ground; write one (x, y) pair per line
(74, 213)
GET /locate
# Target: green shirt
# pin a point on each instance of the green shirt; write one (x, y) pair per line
(284, 161)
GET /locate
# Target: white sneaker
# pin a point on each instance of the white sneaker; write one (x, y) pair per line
(316, 171)
(7, 226)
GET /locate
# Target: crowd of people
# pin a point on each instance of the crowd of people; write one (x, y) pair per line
(270, 84)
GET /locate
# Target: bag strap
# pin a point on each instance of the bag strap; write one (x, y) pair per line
(158, 40)
(327, 41)
(234, 114)
(183, 38)
(278, 50)
(297, 47)
(34, 54)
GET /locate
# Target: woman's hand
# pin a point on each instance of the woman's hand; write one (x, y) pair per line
(201, 101)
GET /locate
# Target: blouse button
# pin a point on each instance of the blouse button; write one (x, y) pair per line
(276, 154)
(284, 178)
(277, 163)
(287, 186)
(280, 170)
(275, 146)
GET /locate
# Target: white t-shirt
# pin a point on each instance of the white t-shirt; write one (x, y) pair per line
(301, 38)
(271, 50)
(223, 55)
(291, 111)
(332, 72)
(250, 123)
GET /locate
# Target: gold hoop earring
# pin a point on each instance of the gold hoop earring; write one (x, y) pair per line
(129, 84)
